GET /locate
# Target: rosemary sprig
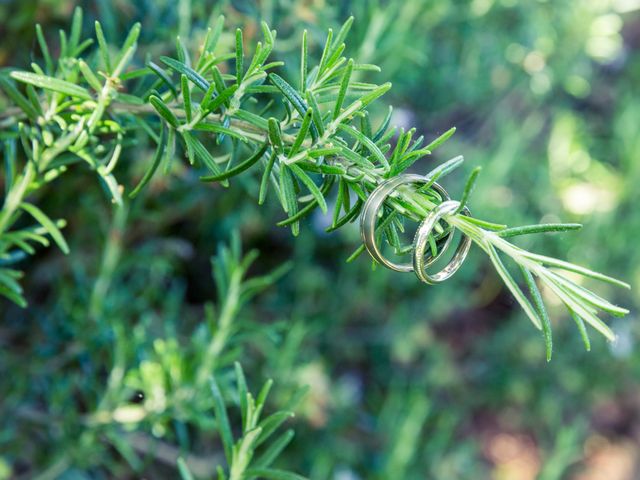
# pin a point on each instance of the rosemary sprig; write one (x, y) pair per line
(309, 137)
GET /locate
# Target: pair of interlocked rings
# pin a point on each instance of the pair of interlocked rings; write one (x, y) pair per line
(419, 265)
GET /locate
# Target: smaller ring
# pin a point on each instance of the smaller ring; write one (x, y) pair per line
(369, 218)
(421, 240)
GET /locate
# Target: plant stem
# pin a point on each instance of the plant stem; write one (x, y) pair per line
(21, 189)
(224, 326)
(110, 257)
(15, 196)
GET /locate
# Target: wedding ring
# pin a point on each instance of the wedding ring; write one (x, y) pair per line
(421, 241)
(369, 218)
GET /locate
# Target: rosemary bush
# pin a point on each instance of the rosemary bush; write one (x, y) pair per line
(324, 138)
(310, 141)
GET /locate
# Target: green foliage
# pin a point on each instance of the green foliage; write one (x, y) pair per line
(389, 369)
(303, 144)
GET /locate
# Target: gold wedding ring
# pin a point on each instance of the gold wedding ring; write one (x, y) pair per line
(421, 241)
(369, 218)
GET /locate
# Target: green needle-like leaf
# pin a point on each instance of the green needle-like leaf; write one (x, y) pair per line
(239, 57)
(275, 135)
(47, 224)
(103, 47)
(513, 287)
(272, 474)
(441, 139)
(224, 427)
(367, 142)
(303, 62)
(313, 188)
(54, 84)
(468, 188)
(164, 76)
(183, 469)
(157, 157)
(180, 67)
(241, 167)
(289, 201)
(19, 99)
(344, 85)
(266, 175)
(274, 449)
(542, 311)
(582, 329)
(163, 111)
(203, 154)
(540, 228)
(296, 100)
(186, 96)
(90, 76)
(302, 133)
(44, 48)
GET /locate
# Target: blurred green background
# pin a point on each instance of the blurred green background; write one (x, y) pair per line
(405, 381)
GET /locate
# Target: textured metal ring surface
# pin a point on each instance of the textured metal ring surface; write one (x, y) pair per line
(369, 218)
(421, 241)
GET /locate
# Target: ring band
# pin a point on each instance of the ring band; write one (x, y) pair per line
(421, 240)
(369, 219)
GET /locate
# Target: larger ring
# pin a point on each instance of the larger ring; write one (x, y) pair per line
(421, 240)
(369, 219)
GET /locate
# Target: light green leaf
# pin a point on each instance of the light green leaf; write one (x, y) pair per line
(54, 84)
(224, 427)
(310, 184)
(47, 224)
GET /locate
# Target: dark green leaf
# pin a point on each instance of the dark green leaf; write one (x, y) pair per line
(266, 175)
(20, 100)
(271, 474)
(203, 154)
(241, 167)
(163, 111)
(302, 133)
(294, 98)
(309, 183)
(344, 85)
(166, 79)
(304, 54)
(186, 96)
(289, 200)
(239, 57)
(157, 157)
(275, 135)
(197, 79)
(367, 142)
(224, 428)
(216, 102)
(16, 298)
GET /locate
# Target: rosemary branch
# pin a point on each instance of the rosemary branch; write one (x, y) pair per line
(231, 113)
